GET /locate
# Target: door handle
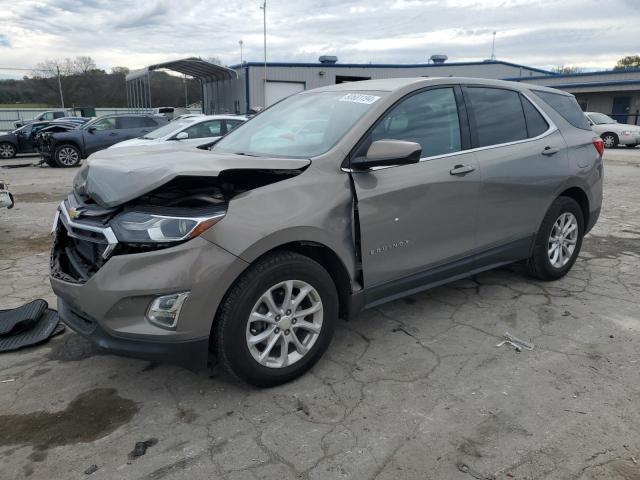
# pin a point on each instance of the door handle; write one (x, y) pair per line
(548, 151)
(461, 169)
(113, 134)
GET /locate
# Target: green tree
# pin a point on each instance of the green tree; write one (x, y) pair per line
(630, 61)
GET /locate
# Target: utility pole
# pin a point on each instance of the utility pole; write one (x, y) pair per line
(493, 47)
(241, 43)
(264, 25)
(60, 86)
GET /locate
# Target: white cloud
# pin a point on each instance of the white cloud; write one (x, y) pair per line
(134, 34)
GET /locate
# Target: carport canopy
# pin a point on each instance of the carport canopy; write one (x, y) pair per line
(138, 82)
(194, 67)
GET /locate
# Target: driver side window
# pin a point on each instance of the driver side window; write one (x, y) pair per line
(105, 124)
(429, 118)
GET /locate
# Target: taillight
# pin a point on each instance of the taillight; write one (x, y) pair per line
(599, 145)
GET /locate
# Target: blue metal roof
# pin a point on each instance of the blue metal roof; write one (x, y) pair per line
(582, 74)
(391, 65)
(595, 84)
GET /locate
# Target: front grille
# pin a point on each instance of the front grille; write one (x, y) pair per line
(73, 259)
(79, 250)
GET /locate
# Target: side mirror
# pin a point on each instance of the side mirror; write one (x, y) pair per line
(91, 129)
(386, 153)
(182, 136)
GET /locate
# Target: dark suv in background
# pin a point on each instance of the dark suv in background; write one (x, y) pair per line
(67, 149)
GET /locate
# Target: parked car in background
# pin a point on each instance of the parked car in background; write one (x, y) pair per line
(612, 132)
(47, 115)
(23, 139)
(188, 131)
(68, 148)
(252, 251)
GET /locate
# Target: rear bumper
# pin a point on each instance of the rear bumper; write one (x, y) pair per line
(191, 354)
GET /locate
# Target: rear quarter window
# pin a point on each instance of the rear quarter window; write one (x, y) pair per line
(567, 107)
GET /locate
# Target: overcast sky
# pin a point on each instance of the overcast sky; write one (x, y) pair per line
(542, 33)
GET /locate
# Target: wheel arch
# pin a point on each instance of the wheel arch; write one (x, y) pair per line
(580, 196)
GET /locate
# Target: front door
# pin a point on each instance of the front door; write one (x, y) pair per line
(420, 216)
(101, 134)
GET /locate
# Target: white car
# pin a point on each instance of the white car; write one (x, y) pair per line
(194, 131)
(612, 132)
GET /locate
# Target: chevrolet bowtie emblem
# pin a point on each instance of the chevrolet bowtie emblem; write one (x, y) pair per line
(74, 213)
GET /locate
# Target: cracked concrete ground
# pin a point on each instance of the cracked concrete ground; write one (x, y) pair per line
(415, 389)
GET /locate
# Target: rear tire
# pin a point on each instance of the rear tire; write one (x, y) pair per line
(558, 241)
(610, 140)
(7, 150)
(67, 156)
(293, 343)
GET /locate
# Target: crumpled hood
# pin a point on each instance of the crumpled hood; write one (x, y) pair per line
(115, 176)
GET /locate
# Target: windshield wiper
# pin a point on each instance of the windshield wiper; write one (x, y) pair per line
(245, 154)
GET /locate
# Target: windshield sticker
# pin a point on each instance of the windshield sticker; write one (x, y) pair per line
(359, 98)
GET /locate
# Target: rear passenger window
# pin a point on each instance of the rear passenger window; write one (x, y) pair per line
(135, 122)
(429, 118)
(536, 124)
(567, 107)
(498, 115)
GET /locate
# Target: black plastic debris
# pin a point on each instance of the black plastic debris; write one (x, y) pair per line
(92, 469)
(140, 448)
(28, 325)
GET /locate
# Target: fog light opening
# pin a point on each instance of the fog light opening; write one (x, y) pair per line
(165, 310)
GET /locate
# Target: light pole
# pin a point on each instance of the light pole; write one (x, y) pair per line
(493, 47)
(264, 26)
(241, 62)
(60, 86)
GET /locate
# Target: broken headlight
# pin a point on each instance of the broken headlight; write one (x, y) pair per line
(140, 227)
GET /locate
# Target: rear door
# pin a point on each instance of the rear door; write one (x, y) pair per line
(417, 217)
(134, 126)
(523, 160)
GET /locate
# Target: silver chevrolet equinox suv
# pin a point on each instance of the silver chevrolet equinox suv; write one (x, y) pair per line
(328, 202)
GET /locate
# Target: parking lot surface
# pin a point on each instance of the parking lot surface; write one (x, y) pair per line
(415, 389)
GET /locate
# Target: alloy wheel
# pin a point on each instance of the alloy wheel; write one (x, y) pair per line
(284, 324)
(563, 240)
(609, 141)
(7, 150)
(68, 156)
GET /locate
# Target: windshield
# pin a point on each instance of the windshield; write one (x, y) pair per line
(167, 129)
(601, 118)
(303, 126)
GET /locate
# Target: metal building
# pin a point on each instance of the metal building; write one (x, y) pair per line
(250, 90)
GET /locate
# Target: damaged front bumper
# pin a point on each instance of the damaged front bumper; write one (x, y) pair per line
(104, 292)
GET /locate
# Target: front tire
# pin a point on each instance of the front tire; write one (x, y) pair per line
(610, 140)
(67, 156)
(277, 320)
(558, 241)
(7, 150)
